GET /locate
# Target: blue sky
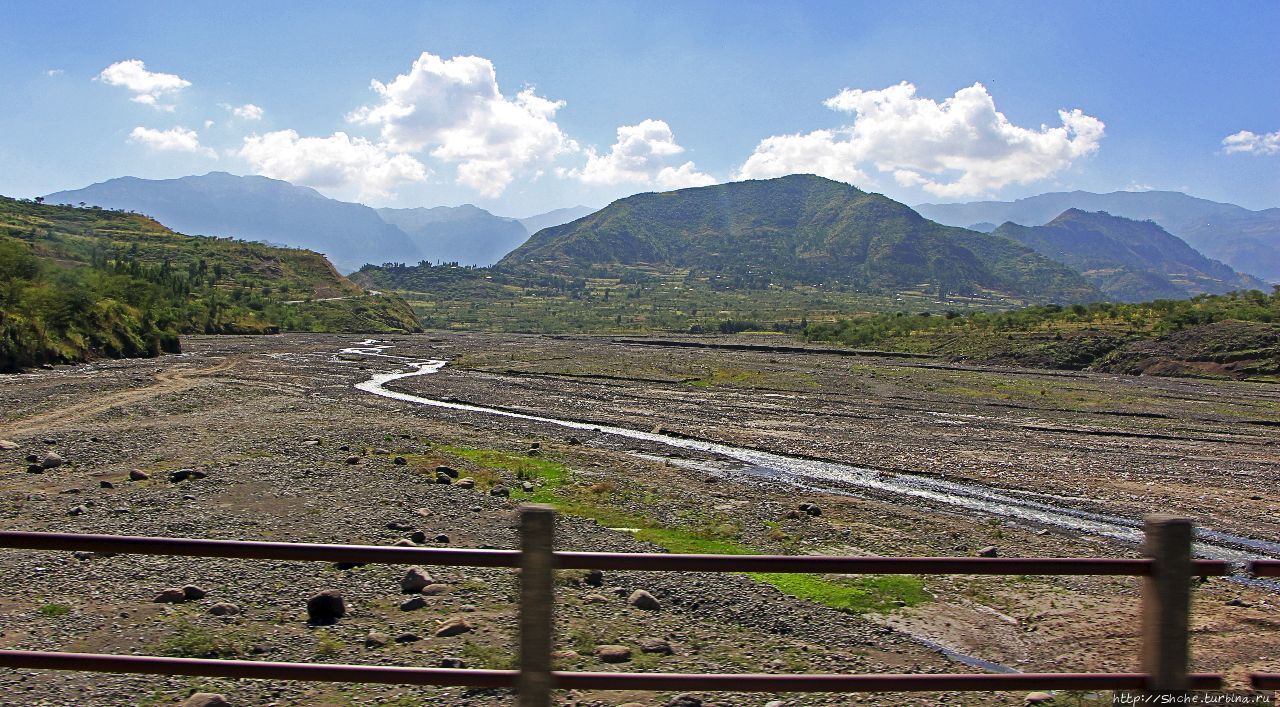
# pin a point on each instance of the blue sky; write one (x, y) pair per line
(524, 107)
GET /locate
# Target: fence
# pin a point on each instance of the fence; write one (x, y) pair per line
(1167, 570)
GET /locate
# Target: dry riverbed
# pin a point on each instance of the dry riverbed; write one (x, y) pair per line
(266, 419)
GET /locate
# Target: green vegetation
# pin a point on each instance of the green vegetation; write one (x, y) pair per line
(54, 610)
(1234, 335)
(696, 532)
(191, 641)
(81, 283)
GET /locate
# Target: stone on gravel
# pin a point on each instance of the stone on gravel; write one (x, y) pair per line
(466, 483)
(656, 645)
(435, 590)
(527, 486)
(502, 491)
(443, 478)
(179, 475)
(35, 469)
(613, 653)
(51, 460)
(413, 604)
(404, 542)
(138, 475)
(353, 459)
(641, 599)
(376, 639)
(192, 592)
(397, 525)
(418, 536)
(206, 699)
(400, 461)
(594, 578)
(172, 595)
(6, 444)
(596, 599)
(1238, 602)
(223, 608)
(685, 700)
(442, 538)
(989, 551)
(408, 637)
(447, 471)
(326, 607)
(104, 484)
(83, 555)
(415, 580)
(453, 627)
(1037, 698)
(78, 511)
(449, 662)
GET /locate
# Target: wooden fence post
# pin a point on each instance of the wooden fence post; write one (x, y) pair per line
(1166, 604)
(537, 597)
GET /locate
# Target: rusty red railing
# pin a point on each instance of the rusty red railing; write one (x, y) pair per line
(1166, 571)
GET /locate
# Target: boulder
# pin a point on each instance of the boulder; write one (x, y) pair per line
(656, 645)
(1037, 698)
(501, 491)
(641, 599)
(413, 604)
(447, 471)
(989, 551)
(400, 461)
(138, 475)
(418, 536)
(450, 662)
(594, 578)
(8, 445)
(408, 637)
(353, 459)
(443, 478)
(172, 595)
(415, 580)
(223, 608)
(613, 653)
(453, 627)
(51, 460)
(326, 607)
(685, 700)
(206, 699)
(466, 483)
(435, 590)
(376, 639)
(192, 592)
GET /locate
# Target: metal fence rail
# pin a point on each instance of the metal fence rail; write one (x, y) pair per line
(1166, 571)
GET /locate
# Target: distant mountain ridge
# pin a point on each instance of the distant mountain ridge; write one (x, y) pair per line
(1130, 261)
(256, 209)
(799, 229)
(1247, 240)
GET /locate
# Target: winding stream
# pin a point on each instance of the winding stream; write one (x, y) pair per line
(831, 476)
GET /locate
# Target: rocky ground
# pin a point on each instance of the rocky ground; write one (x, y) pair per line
(288, 450)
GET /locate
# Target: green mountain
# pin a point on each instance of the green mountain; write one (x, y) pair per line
(795, 230)
(1247, 240)
(1130, 261)
(81, 283)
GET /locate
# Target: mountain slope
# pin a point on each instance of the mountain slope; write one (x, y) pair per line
(1248, 241)
(555, 217)
(463, 234)
(255, 209)
(1130, 261)
(82, 283)
(799, 229)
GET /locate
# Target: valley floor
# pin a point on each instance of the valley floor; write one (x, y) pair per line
(265, 417)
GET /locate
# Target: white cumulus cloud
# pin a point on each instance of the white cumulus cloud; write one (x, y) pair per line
(247, 111)
(454, 109)
(1251, 143)
(960, 147)
(176, 139)
(339, 162)
(148, 87)
(640, 157)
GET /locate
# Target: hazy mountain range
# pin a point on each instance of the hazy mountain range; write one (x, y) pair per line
(273, 211)
(1247, 240)
(1130, 261)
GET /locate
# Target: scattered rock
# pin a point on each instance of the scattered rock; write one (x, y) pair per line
(310, 442)
(344, 448)
(443, 478)
(6, 444)
(793, 514)
(501, 491)
(326, 607)
(685, 700)
(408, 637)
(527, 486)
(380, 450)
(1238, 602)
(613, 653)
(596, 599)
(594, 578)
(566, 654)
(641, 599)
(172, 595)
(447, 471)
(435, 590)
(106, 484)
(574, 441)
(83, 555)
(32, 458)
(223, 608)
(353, 459)
(452, 663)
(415, 580)
(1037, 698)
(404, 542)
(656, 645)
(179, 475)
(138, 475)
(35, 469)
(466, 483)
(442, 538)
(400, 461)
(396, 525)
(51, 460)
(206, 699)
(192, 592)
(453, 627)
(348, 565)
(78, 511)
(811, 509)
(376, 639)
(199, 473)
(413, 604)
(989, 551)
(418, 536)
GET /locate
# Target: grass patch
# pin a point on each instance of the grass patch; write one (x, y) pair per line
(192, 641)
(854, 595)
(54, 610)
(477, 655)
(548, 474)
